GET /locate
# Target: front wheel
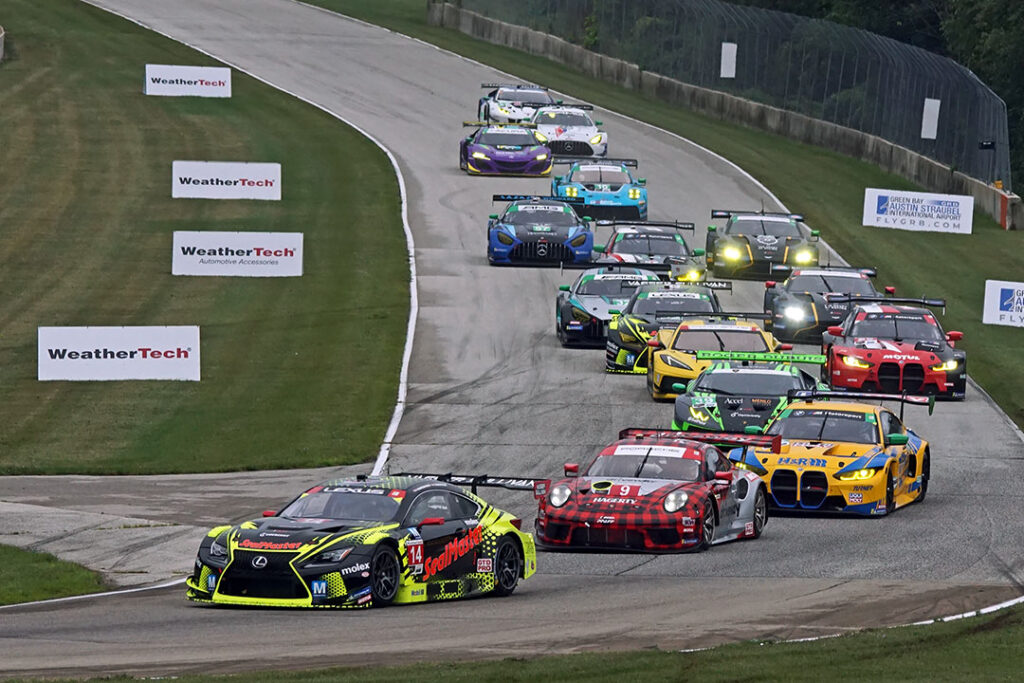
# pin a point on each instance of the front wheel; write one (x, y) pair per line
(890, 494)
(508, 567)
(707, 527)
(385, 574)
(760, 512)
(926, 473)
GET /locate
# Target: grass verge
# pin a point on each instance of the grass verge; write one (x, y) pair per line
(827, 187)
(290, 376)
(26, 576)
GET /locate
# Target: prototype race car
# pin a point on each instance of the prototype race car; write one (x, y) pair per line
(895, 349)
(654, 491)
(512, 103)
(741, 389)
(674, 351)
(656, 245)
(651, 308)
(538, 230)
(606, 186)
(362, 542)
(569, 130)
(838, 456)
(582, 311)
(813, 299)
(752, 242)
(503, 149)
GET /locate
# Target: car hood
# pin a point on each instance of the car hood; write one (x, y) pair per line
(734, 412)
(278, 533)
(509, 152)
(828, 309)
(571, 133)
(539, 231)
(598, 306)
(891, 351)
(605, 493)
(767, 247)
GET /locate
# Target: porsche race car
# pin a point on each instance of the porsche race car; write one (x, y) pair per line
(511, 103)
(606, 186)
(657, 245)
(813, 299)
(538, 230)
(503, 149)
(569, 130)
(583, 310)
(752, 242)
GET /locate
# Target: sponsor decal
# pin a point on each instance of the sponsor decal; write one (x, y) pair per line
(861, 488)
(268, 545)
(615, 501)
(418, 592)
(397, 494)
(211, 582)
(920, 211)
(237, 254)
(606, 519)
(856, 497)
(880, 508)
(688, 521)
(169, 80)
(355, 489)
(452, 552)
(484, 565)
(259, 562)
(363, 600)
(360, 567)
(225, 180)
(414, 555)
(1004, 303)
(319, 587)
(118, 353)
(273, 535)
(808, 462)
(748, 528)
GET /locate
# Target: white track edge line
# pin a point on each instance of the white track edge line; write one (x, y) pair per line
(403, 378)
(71, 598)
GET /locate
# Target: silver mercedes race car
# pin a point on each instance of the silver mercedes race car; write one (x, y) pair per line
(582, 311)
(569, 130)
(512, 103)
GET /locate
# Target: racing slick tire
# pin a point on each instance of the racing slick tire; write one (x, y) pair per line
(926, 473)
(563, 338)
(462, 162)
(707, 527)
(890, 495)
(508, 567)
(760, 511)
(385, 575)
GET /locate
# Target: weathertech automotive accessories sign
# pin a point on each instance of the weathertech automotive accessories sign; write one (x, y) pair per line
(187, 81)
(918, 211)
(1004, 303)
(225, 180)
(113, 353)
(238, 254)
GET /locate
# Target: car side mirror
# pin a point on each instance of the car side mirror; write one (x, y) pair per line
(588, 219)
(599, 248)
(559, 178)
(699, 252)
(598, 123)
(891, 291)
(559, 101)
(896, 439)
(835, 330)
(679, 388)
(654, 343)
(815, 233)
(564, 288)
(493, 216)
(641, 181)
(712, 228)
(770, 284)
(753, 429)
(723, 476)
(431, 521)
(614, 311)
(954, 335)
(785, 347)
(270, 513)
(571, 469)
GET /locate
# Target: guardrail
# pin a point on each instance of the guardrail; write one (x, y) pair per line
(1006, 208)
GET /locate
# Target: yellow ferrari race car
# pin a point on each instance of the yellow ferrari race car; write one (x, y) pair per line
(674, 350)
(841, 456)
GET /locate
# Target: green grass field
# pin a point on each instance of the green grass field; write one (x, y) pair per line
(290, 375)
(26, 576)
(827, 187)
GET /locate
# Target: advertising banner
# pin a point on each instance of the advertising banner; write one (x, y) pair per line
(225, 180)
(187, 81)
(918, 211)
(117, 353)
(237, 254)
(1004, 303)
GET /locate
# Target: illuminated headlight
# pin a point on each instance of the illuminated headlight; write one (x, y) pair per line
(504, 111)
(690, 275)
(859, 475)
(579, 240)
(795, 313)
(540, 136)
(731, 254)
(671, 361)
(332, 555)
(675, 501)
(571, 191)
(559, 495)
(698, 415)
(634, 193)
(505, 238)
(804, 256)
(597, 139)
(480, 155)
(948, 366)
(542, 157)
(854, 362)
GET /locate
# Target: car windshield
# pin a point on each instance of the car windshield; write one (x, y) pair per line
(616, 288)
(562, 118)
(528, 97)
(660, 245)
(656, 467)
(719, 340)
(666, 304)
(748, 382)
(507, 137)
(600, 174)
(825, 283)
(897, 326)
(763, 226)
(366, 504)
(554, 216)
(825, 425)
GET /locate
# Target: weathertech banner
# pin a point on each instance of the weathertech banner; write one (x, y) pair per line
(117, 353)
(237, 254)
(187, 81)
(225, 180)
(918, 211)
(1004, 303)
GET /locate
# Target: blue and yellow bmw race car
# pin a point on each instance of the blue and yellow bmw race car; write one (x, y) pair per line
(606, 186)
(538, 230)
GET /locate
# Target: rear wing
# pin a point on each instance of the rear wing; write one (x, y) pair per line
(716, 438)
(932, 303)
(904, 399)
(729, 213)
(816, 359)
(475, 480)
(632, 163)
(569, 105)
(491, 124)
(678, 225)
(727, 314)
(780, 268)
(538, 197)
(512, 85)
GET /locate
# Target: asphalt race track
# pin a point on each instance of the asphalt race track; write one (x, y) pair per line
(492, 391)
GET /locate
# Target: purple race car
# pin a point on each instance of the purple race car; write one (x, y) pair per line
(503, 149)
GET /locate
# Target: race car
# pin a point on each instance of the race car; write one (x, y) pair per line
(503, 149)
(606, 186)
(753, 241)
(653, 244)
(651, 308)
(653, 491)
(841, 456)
(569, 130)
(888, 347)
(741, 389)
(511, 103)
(583, 310)
(534, 229)
(813, 299)
(673, 358)
(362, 542)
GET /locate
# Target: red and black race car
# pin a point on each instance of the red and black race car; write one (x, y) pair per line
(655, 491)
(882, 346)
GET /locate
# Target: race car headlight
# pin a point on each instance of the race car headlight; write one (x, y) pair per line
(854, 362)
(505, 238)
(675, 501)
(480, 155)
(218, 550)
(542, 157)
(690, 275)
(626, 338)
(948, 366)
(571, 192)
(597, 139)
(804, 256)
(336, 555)
(674, 362)
(540, 136)
(579, 240)
(504, 111)
(858, 475)
(580, 315)
(698, 415)
(559, 495)
(795, 313)
(634, 193)
(732, 254)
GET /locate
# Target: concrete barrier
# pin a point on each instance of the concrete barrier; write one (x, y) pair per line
(1006, 208)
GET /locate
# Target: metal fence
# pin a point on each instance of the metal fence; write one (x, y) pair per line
(845, 75)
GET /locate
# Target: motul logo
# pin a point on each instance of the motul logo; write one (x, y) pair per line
(452, 552)
(110, 354)
(226, 182)
(228, 251)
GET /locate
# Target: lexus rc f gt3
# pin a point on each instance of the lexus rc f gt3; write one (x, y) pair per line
(569, 130)
(583, 310)
(538, 230)
(813, 299)
(503, 150)
(512, 103)
(751, 243)
(657, 245)
(606, 186)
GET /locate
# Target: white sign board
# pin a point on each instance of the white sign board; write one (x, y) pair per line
(1004, 303)
(111, 353)
(239, 254)
(930, 119)
(225, 180)
(728, 67)
(187, 81)
(918, 211)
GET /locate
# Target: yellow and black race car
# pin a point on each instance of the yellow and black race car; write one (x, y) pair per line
(367, 541)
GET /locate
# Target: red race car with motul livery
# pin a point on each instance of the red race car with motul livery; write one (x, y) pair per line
(654, 491)
(882, 346)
